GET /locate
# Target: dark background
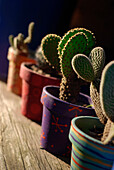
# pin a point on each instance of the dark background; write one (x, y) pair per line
(55, 16)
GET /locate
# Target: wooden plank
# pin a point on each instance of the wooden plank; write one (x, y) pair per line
(20, 139)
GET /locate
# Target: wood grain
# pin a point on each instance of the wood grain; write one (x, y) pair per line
(20, 139)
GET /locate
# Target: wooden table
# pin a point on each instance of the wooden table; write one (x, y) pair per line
(20, 139)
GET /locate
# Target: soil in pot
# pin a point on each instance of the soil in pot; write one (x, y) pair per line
(48, 72)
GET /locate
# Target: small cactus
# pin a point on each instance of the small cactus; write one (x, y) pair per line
(19, 43)
(90, 69)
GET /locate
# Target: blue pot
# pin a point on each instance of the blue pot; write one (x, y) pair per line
(87, 152)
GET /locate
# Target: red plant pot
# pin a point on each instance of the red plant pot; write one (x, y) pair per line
(14, 82)
(32, 85)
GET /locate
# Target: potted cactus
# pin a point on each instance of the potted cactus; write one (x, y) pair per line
(34, 78)
(60, 105)
(93, 138)
(18, 52)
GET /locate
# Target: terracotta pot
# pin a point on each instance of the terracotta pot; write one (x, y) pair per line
(32, 85)
(87, 152)
(14, 82)
(56, 120)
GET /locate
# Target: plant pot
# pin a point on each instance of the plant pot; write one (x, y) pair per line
(87, 152)
(32, 85)
(14, 82)
(56, 120)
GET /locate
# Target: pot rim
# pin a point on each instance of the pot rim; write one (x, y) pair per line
(65, 102)
(26, 73)
(88, 137)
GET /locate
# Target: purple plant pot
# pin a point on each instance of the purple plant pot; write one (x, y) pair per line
(56, 120)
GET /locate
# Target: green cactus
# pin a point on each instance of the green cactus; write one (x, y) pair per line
(75, 44)
(59, 52)
(90, 69)
(19, 43)
(75, 41)
(72, 32)
(49, 46)
(107, 101)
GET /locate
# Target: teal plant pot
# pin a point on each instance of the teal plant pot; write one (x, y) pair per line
(89, 153)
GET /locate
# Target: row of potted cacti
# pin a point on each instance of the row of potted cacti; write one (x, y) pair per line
(78, 62)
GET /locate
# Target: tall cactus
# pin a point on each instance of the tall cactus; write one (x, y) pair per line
(90, 69)
(19, 43)
(107, 101)
(78, 40)
(75, 41)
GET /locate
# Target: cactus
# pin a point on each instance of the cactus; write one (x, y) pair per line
(49, 46)
(19, 43)
(90, 69)
(107, 101)
(75, 41)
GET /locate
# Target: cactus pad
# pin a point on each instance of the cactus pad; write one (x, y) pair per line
(97, 57)
(76, 44)
(72, 32)
(49, 46)
(107, 90)
(82, 66)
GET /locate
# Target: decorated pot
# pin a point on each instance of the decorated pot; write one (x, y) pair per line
(32, 85)
(56, 120)
(87, 152)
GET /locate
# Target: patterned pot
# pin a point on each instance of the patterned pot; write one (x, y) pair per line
(87, 152)
(32, 85)
(14, 82)
(56, 120)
